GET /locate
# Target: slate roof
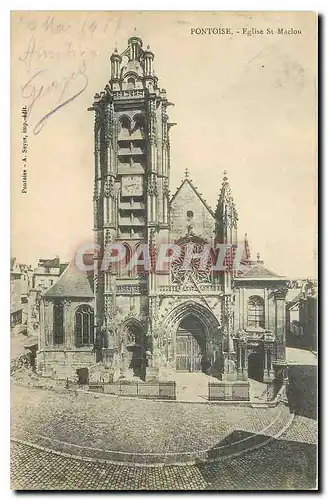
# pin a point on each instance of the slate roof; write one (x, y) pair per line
(72, 283)
(259, 272)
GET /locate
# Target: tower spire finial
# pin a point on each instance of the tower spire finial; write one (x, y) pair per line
(247, 251)
(186, 173)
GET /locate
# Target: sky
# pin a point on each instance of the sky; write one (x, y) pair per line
(244, 104)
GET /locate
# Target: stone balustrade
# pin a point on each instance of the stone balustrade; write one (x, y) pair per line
(128, 94)
(203, 288)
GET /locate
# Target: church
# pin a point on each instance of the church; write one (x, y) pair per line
(150, 324)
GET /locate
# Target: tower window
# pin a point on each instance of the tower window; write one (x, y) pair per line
(125, 124)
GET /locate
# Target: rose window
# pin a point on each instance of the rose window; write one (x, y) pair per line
(188, 267)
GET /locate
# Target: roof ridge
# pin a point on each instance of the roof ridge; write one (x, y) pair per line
(264, 274)
(73, 282)
(187, 179)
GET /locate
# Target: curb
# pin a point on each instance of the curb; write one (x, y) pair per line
(249, 403)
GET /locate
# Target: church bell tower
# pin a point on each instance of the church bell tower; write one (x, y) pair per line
(131, 180)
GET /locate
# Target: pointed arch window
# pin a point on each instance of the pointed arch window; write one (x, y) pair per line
(141, 267)
(84, 326)
(58, 323)
(255, 316)
(125, 126)
(124, 263)
(139, 124)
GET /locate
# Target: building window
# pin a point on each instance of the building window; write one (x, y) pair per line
(84, 328)
(125, 124)
(125, 261)
(58, 323)
(255, 316)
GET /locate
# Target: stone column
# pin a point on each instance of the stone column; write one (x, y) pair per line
(280, 322)
(240, 362)
(270, 365)
(68, 324)
(246, 362)
(245, 312)
(229, 369)
(266, 310)
(268, 373)
(48, 322)
(265, 368)
(41, 332)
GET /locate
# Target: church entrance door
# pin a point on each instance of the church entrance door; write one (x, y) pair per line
(190, 345)
(136, 351)
(255, 364)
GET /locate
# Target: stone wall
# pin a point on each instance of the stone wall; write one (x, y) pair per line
(202, 220)
(63, 363)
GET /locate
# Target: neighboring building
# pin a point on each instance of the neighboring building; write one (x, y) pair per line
(308, 316)
(149, 325)
(26, 284)
(301, 317)
(44, 276)
(16, 309)
(47, 273)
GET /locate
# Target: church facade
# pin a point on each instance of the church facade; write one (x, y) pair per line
(134, 322)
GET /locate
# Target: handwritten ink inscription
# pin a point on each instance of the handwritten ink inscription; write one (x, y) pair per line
(56, 66)
(65, 91)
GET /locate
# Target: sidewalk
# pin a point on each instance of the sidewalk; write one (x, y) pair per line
(297, 356)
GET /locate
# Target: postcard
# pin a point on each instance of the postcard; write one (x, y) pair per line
(163, 273)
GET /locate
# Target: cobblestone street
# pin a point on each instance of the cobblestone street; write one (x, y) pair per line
(287, 463)
(130, 426)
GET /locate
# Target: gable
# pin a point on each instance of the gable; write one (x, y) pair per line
(188, 210)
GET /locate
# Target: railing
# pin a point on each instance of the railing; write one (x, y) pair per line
(131, 289)
(203, 287)
(253, 335)
(128, 94)
(151, 390)
(228, 391)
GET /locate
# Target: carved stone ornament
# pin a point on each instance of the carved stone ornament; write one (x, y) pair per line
(67, 303)
(47, 303)
(108, 237)
(166, 190)
(109, 188)
(152, 185)
(141, 317)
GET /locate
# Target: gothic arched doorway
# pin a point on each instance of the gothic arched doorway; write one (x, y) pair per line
(194, 323)
(255, 365)
(190, 345)
(135, 349)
